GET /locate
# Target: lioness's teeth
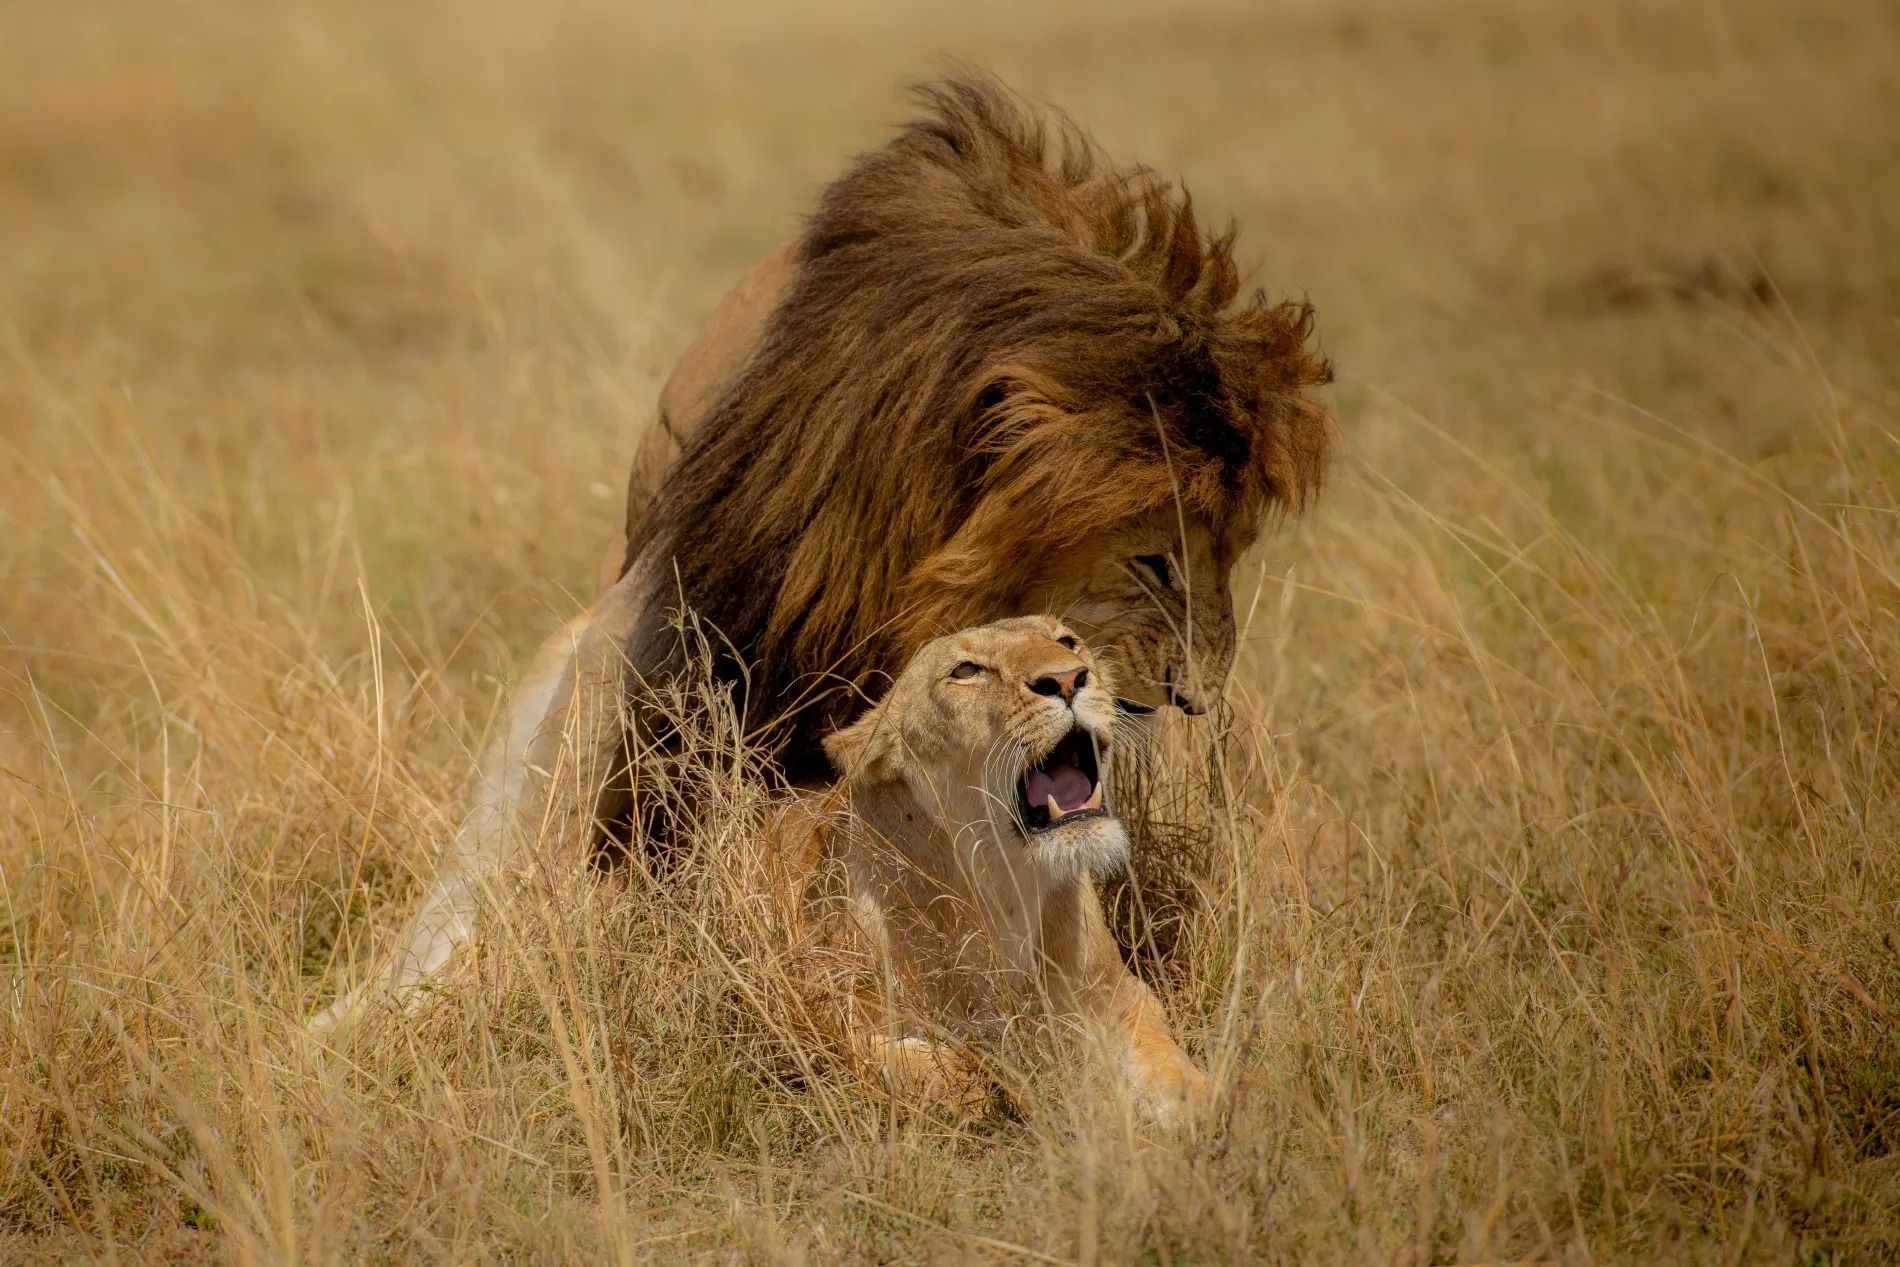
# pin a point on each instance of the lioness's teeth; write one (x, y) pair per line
(1095, 798)
(1055, 811)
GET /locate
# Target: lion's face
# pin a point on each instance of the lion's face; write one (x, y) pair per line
(1007, 727)
(1151, 597)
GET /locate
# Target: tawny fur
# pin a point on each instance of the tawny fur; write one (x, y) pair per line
(977, 920)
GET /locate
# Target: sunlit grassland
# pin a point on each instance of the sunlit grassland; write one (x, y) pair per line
(1550, 896)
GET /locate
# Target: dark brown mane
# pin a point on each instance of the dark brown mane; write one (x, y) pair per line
(994, 345)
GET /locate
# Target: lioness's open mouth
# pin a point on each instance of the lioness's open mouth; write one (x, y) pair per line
(1063, 786)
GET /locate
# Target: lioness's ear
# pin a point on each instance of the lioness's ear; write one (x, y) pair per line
(866, 749)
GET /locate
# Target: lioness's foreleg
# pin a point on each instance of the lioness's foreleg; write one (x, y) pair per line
(884, 1033)
(1126, 1018)
(539, 782)
(1165, 1081)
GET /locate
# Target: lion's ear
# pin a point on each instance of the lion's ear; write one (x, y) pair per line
(866, 749)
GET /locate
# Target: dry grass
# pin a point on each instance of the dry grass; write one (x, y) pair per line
(1555, 895)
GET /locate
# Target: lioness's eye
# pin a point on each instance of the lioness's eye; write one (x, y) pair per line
(1067, 640)
(1156, 565)
(965, 671)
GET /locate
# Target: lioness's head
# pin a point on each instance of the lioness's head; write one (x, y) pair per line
(1005, 729)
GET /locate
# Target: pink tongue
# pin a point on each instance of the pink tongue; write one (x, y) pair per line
(1066, 783)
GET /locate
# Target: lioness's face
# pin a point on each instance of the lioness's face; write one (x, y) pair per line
(1007, 726)
(1151, 597)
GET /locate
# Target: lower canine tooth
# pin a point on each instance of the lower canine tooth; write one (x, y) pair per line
(1095, 798)
(1055, 811)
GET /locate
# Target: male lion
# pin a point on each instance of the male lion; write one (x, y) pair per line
(980, 821)
(994, 375)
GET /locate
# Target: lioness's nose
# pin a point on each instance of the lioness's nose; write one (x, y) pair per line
(1065, 684)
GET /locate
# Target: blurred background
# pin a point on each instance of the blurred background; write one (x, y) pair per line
(327, 242)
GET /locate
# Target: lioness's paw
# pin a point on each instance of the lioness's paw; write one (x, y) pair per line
(926, 1072)
(1170, 1093)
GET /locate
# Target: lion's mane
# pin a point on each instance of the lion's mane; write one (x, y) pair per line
(994, 344)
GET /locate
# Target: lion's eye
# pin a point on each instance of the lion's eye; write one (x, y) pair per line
(1068, 640)
(1156, 565)
(965, 671)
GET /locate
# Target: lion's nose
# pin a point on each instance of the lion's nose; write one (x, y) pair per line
(1065, 684)
(1193, 703)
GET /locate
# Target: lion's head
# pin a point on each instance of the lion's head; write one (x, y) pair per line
(1006, 729)
(1002, 377)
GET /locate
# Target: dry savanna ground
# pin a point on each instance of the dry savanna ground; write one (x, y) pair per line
(1546, 870)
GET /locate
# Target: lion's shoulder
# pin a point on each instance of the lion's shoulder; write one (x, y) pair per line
(720, 350)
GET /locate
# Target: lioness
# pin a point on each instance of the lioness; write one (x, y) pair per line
(994, 375)
(980, 820)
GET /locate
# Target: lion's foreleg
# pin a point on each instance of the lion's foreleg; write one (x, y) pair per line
(539, 782)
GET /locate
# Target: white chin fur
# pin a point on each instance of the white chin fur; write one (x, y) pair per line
(1098, 846)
